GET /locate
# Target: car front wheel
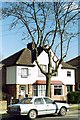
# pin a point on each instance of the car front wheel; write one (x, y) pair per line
(32, 114)
(62, 111)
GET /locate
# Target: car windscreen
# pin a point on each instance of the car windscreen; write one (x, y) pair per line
(25, 101)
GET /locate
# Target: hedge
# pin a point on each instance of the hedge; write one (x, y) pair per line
(74, 97)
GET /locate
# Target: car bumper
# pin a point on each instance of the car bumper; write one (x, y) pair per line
(13, 112)
(17, 113)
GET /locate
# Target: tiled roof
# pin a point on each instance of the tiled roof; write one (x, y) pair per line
(53, 82)
(75, 61)
(67, 66)
(12, 59)
(22, 57)
(27, 57)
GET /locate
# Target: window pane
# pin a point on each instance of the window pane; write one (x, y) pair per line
(41, 90)
(69, 73)
(48, 101)
(58, 90)
(69, 88)
(44, 67)
(24, 72)
(35, 90)
(38, 101)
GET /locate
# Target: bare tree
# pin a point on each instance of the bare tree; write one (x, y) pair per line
(47, 24)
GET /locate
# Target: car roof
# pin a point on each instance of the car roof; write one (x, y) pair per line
(37, 97)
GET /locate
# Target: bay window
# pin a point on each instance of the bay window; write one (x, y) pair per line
(58, 90)
(39, 90)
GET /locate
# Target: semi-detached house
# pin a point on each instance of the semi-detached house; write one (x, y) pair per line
(22, 76)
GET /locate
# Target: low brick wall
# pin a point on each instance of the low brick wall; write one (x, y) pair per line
(3, 105)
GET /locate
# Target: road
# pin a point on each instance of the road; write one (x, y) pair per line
(74, 115)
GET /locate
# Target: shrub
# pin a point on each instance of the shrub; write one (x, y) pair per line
(74, 97)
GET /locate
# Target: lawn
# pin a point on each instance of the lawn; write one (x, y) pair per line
(75, 107)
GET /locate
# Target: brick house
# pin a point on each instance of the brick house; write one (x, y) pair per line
(76, 63)
(22, 76)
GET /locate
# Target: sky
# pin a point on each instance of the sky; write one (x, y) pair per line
(11, 41)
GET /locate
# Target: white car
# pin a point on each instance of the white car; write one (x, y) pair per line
(33, 106)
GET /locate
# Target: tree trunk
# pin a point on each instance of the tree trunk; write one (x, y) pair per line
(48, 86)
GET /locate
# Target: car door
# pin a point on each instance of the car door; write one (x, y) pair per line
(40, 106)
(50, 106)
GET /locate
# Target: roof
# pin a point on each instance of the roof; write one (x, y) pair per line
(54, 82)
(26, 57)
(23, 57)
(75, 61)
(67, 66)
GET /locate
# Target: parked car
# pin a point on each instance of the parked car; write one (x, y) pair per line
(33, 106)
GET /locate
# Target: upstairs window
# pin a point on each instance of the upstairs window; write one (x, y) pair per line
(68, 73)
(25, 72)
(44, 67)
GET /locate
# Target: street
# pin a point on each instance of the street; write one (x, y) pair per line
(73, 115)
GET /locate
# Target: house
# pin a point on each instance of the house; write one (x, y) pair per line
(76, 63)
(22, 76)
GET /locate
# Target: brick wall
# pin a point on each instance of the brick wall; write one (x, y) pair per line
(11, 89)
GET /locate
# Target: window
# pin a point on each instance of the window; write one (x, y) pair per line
(69, 88)
(68, 73)
(48, 101)
(39, 90)
(44, 67)
(58, 90)
(38, 101)
(35, 90)
(78, 86)
(25, 72)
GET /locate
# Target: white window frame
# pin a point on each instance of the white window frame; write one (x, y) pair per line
(69, 88)
(68, 73)
(40, 90)
(44, 67)
(25, 72)
(58, 87)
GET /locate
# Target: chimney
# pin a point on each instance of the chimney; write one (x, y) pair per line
(31, 46)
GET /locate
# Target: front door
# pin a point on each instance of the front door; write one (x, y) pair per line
(22, 90)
